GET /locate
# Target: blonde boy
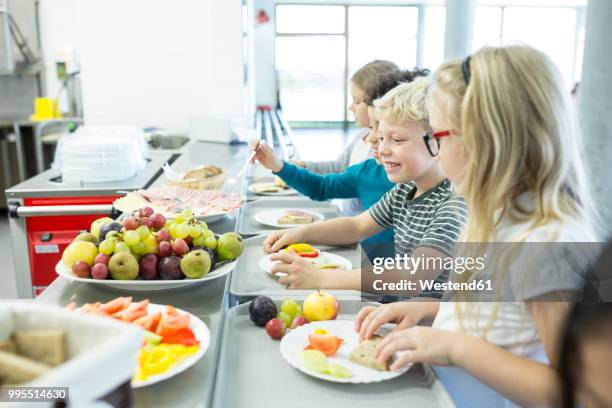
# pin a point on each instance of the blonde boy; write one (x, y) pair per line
(425, 216)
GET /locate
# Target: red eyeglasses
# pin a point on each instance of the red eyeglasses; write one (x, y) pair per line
(432, 141)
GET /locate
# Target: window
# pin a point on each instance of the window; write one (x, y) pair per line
(318, 48)
(502, 25)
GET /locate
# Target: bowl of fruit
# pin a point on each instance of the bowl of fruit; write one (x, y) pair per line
(146, 251)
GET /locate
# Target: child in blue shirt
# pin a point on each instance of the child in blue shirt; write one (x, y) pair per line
(366, 181)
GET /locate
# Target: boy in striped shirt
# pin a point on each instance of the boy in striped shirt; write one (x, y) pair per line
(426, 217)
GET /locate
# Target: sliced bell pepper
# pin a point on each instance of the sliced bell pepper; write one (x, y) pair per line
(325, 343)
(184, 336)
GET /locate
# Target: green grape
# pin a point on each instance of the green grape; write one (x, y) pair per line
(179, 219)
(199, 241)
(107, 247)
(168, 225)
(285, 318)
(291, 308)
(209, 239)
(203, 225)
(111, 234)
(139, 249)
(121, 247)
(173, 230)
(195, 231)
(182, 231)
(187, 213)
(131, 238)
(143, 232)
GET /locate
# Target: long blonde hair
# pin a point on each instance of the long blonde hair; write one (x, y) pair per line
(521, 135)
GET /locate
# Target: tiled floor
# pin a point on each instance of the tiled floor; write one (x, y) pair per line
(312, 144)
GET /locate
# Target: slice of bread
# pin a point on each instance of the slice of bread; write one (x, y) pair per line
(45, 346)
(266, 188)
(364, 355)
(16, 369)
(8, 345)
(295, 219)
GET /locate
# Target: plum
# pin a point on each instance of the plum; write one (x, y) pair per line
(261, 310)
(106, 228)
(170, 268)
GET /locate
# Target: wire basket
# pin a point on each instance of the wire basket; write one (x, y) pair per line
(200, 178)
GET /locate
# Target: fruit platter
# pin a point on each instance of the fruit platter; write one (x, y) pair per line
(207, 205)
(146, 251)
(174, 339)
(322, 260)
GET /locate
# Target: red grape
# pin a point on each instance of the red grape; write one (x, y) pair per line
(81, 269)
(188, 240)
(180, 247)
(148, 222)
(146, 212)
(163, 236)
(130, 223)
(99, 271)
(158, 220)
(101, 259)
(164, 249)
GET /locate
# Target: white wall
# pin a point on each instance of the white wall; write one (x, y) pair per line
(151, 62)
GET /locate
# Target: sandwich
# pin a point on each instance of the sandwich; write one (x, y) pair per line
(364, 355)
(297, 217)
(266, 188)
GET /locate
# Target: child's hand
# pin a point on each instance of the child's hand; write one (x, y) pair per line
(370, 318)
(265, 155)
(422, 345)
(280, 239)
(301, 274)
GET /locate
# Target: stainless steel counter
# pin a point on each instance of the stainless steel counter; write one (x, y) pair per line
(41, 186)
(192, 388)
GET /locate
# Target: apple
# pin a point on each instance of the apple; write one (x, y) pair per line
(79, 251)
(320, 306)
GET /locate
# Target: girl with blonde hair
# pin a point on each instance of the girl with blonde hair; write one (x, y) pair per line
(504, 133)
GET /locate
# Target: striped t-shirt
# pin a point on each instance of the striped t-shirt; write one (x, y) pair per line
(434, 219)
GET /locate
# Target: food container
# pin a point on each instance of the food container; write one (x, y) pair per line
(102, 353)
(200, 183)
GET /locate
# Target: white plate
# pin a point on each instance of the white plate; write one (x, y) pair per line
(283, 192)
(139, 285)
(202, 334)
(297, 339)
(270, 217)
(266, 263)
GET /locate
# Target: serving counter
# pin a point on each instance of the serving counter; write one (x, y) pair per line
(243, 366)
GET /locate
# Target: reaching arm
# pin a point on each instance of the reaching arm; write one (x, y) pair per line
(321, 187)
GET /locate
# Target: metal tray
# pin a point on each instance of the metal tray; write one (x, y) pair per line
(246, 224)
(250, 196)
(248, 280)
(252, 373)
